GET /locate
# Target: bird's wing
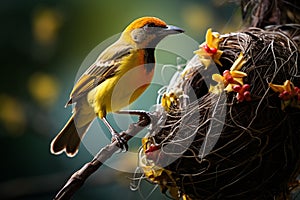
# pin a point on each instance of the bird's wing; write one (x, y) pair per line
(105, 67)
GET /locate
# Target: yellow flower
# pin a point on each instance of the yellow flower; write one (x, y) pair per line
(238, 63)
(156, 174)
(229, 79)
(281, 88)
(219, 88)
(209, 49)
(288, 93)
(170, 101)
(232, 80)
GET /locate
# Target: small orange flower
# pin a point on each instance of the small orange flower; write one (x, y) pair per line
(232, 81)
(288, 93)
(170, 101)
(209, 49)
(154, 172)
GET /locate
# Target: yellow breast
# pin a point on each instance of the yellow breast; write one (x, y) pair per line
(123, 88)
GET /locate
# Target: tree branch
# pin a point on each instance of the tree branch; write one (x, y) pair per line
(78, 178)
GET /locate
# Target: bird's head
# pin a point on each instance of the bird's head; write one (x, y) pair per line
(147, 32)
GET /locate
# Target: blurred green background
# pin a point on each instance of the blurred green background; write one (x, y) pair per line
(43, 44)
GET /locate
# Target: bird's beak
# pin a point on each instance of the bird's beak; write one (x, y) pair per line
(172, 30)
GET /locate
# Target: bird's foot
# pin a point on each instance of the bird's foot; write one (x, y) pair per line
(122, 143)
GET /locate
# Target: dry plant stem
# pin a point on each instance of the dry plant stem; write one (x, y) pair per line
(79, 177)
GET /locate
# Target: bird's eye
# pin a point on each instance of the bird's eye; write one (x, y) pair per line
(151, 25)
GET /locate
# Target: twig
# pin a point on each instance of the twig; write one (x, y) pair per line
(79, 177)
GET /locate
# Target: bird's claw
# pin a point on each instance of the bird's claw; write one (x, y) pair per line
(122, 143)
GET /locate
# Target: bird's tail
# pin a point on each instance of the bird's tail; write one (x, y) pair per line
(68, 139)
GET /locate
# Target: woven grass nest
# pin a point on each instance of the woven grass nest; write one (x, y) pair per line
(213, 140)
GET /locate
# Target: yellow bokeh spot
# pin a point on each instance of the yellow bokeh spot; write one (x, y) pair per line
(12, 115)
(46, 23)
(197, 17)
(44, 88)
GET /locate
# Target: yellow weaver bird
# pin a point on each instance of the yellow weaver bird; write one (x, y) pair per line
(121, 73)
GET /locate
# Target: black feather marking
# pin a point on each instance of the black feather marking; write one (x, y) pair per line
(149, 59)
